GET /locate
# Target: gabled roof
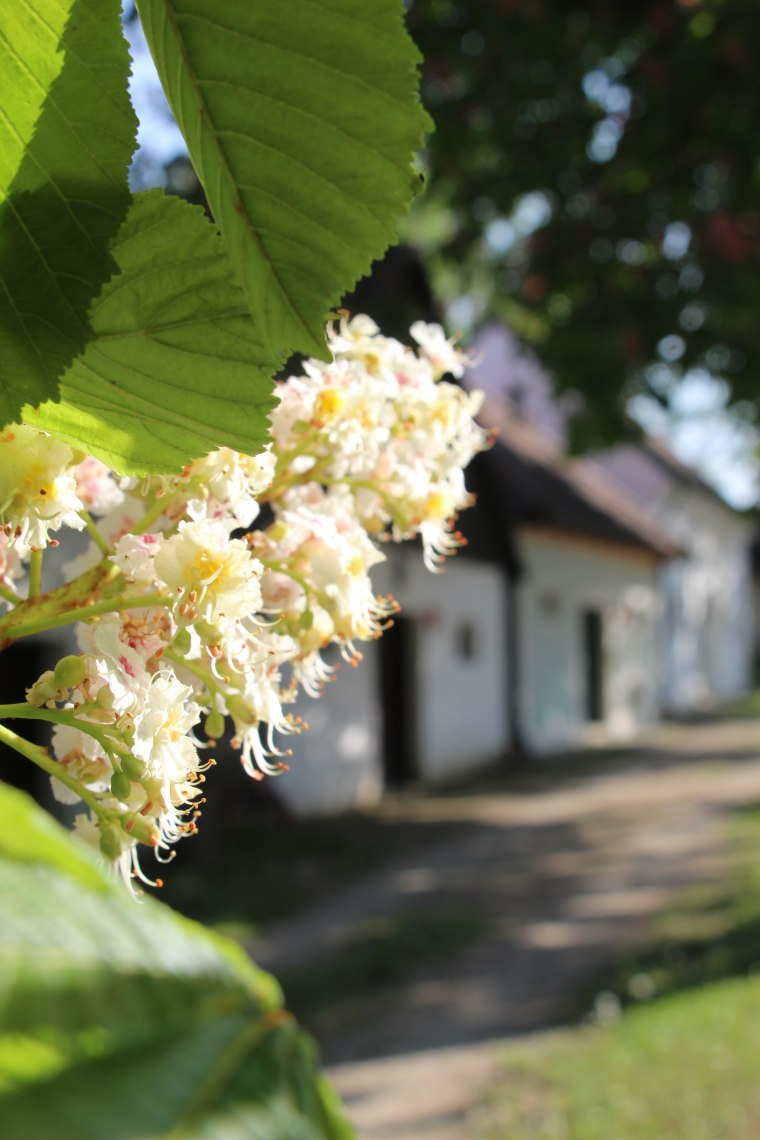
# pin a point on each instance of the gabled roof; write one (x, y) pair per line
(538, 484)
(660, 451)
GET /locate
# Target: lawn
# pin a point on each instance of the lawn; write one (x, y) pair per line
(683, 1068)
(678, 1059)
(711, 931)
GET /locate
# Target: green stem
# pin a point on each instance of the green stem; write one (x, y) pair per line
(40, 757)
(9, 594)
(25, 711)
(35, 574)
(285, 478)
(84, 613)
(95, 533)
(153, 514)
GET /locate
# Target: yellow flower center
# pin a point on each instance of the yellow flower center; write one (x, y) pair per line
(328, 403)
(206, 568)
(436, 507)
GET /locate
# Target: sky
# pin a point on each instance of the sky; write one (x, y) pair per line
(721, 446)
(159, 138)
(701, 432)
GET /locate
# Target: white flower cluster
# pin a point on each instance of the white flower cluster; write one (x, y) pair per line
(379, 421)
(199, 614)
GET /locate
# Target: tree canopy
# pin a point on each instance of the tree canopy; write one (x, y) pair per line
(593, 179)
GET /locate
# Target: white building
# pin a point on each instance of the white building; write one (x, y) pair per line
(595, 594)
(586, 609)
(543, 627)
(706, 630)
(428, 702)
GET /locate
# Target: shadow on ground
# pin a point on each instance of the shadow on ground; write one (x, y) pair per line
(478, 913)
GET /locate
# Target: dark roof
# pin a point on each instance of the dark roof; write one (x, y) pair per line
(530, 481)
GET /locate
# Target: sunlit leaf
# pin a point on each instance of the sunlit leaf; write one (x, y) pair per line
(66, 138)
(301, 119)
(174, 367)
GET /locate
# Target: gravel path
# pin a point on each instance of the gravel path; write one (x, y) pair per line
(565, 874)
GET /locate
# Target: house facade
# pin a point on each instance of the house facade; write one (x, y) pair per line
(428, 702)
(706, 643)
(588, 629)
(705, 640)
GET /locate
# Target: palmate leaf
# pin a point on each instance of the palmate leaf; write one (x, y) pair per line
(67, 133)
(125, 1021)
(301, 119)
(174, 367)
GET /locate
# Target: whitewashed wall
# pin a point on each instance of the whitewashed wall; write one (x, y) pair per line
(564, 576)
(707, 634)
(462, 721)
(461, 711)
(337, 762)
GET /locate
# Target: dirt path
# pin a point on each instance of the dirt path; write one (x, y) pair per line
(565, 874)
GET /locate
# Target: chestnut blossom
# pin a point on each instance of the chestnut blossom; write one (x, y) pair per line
(214, 576)
(38, 490)
(11, 567)
(96, 486)
(135, 555)
(443, 354)
(82, 757)
(198, 622)
(166, 715)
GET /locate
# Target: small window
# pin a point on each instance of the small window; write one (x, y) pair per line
(466, 641)
(549, 603)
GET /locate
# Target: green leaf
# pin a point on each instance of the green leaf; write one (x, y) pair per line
(174, 367)
(122, 1020)
(301, 119)
(67, 133)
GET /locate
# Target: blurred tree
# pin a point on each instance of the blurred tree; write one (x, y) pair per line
(594, 179)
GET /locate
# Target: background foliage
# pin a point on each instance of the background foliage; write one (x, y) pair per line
(594, 173)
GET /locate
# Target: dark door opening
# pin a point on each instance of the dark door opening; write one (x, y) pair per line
(593, 664)
(399, 702)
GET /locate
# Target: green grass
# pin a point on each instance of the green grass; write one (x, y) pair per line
(685, 1068)
(747, 707)
(379, 953)
(711, 931)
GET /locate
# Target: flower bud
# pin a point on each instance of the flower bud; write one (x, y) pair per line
(105, 698)
(121, 786)
(213, 726)
(70, 671)
(277, 531)
(110, 840)
(182, 640)
(44, 689)
(143, 830)
(133, 768)
(306, 621)
(209, 633)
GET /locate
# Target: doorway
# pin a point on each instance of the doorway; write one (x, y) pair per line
(398, 696)
(593, 664)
